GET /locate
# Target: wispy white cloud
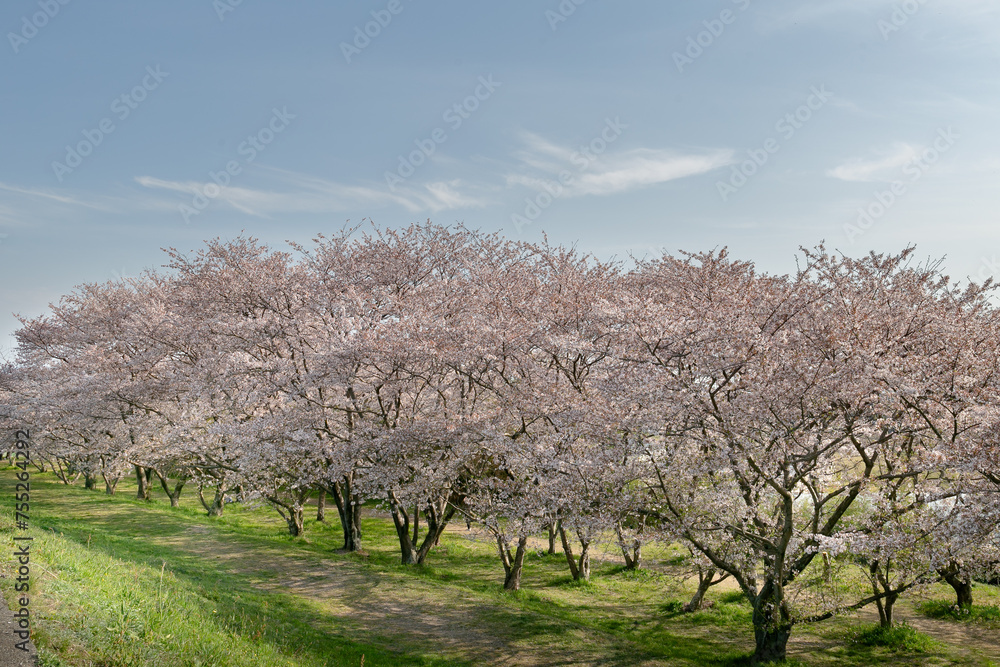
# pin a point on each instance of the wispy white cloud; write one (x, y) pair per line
(611, 173)
(642, 167)
(883, 167)
(51, 195)
(292, 192)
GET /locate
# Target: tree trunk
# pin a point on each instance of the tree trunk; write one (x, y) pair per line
(772, 625)
(568, 551)
(512, 565)
(349, 509)
(175, 495)
(293, 511)
(705, 581)
(632, 551)
(142, 482)
(885, 607)
(580, 569)
(552, 538)
(401, 520)
(218, 503)
(296, 521)
(882, 587)
(321, 505)
(585, 560)
(962, 584)
(438, 514)
(110, 484)
(889, 605)
(89, 481)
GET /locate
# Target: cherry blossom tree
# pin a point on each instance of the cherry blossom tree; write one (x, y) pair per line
(778, 400)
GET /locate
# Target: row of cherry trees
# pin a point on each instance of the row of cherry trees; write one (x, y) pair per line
(782, 428)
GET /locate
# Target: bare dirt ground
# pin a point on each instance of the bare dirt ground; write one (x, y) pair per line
(10, 655)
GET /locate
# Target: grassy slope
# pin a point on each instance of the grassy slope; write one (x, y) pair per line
(238, 591)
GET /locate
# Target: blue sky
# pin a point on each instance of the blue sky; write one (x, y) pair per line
(623, 127)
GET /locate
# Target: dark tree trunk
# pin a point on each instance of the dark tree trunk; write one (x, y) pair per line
(438, 514)
(513, 565)
(59, 471)
(110, 485)
(772, 625)
(89, 481)
(175, 495)
(349, 509)
(885, 607)
(110, 482)
(293, 512)
(962, 584)
(218, 503)
(631, 549)
(294, 518)
(295, 521)
(568, 551)
(698, 599)
(321, 505)
(142, 482)
(706, 579)
(552, 538)
(886, 596)
(579, 569)
(401, 520)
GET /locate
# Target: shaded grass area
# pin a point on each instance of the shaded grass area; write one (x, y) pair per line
(224, 598)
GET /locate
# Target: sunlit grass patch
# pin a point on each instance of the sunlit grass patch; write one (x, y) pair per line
(899, 637)
(941, 609)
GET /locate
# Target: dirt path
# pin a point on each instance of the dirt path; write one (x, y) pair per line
(969, 639)
(10, 655)
(436, 617)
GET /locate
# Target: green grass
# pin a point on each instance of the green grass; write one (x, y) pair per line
(236, 590)
(899, 637)
(102, 595)
(978, 613)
